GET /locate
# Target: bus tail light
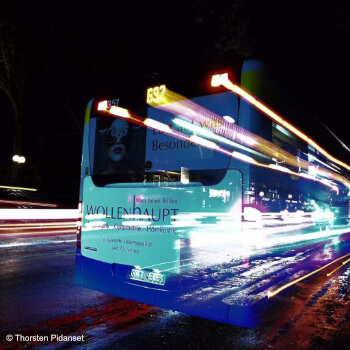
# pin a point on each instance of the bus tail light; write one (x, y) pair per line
(218, 79)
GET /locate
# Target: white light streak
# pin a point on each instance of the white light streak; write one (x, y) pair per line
(23, 244)
(33, 214)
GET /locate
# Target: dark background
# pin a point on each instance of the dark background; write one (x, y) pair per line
(117, 49)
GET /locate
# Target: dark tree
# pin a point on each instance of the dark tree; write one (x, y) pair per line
(15, 66)
(229, 24)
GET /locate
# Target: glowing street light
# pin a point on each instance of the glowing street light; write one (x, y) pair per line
(18, 159)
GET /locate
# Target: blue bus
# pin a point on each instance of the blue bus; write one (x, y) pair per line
(195, 205)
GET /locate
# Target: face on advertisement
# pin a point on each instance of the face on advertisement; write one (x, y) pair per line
(117, 139)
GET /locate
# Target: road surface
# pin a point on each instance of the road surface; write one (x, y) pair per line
(38, 298)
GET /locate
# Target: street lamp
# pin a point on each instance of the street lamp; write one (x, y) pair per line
(18, 159)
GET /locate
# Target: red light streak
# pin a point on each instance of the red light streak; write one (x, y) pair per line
(56, 231)
(261, 144)
(261, 106)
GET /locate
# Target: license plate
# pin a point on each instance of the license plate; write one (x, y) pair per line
(147, 276)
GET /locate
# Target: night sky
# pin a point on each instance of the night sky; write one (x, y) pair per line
(117, 49)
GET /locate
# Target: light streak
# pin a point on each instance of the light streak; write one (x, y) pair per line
(210, 122)
(339, 267)
(21, 214)
(72, 223)
(205, 132)
(19, 188)
(120, 112)
(203, 142)
(154, 124)
(37, 204)
(244, 157)
(190, 111)
(229, 119)
(275, 292)
(43, 232)
(253, 100)
(163, 263)
(297, 238)
(21, 244)
(35, 226)
(323, 163)
(280, 168)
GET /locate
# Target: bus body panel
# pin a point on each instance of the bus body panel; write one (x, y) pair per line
(142, 226)
(184, 246)
(192, 242)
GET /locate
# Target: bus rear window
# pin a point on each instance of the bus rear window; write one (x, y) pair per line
(123, 152)
(118, 146)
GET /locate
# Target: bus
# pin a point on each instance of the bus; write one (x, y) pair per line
(206, 205)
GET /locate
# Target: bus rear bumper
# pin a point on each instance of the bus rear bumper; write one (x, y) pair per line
(114, 279)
